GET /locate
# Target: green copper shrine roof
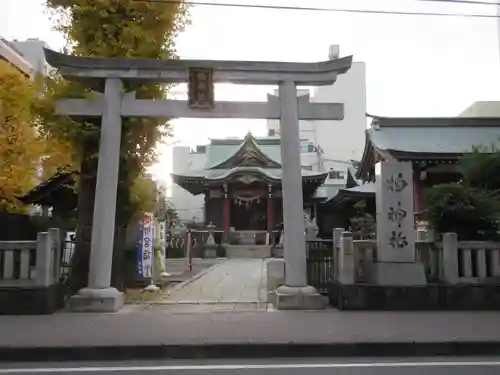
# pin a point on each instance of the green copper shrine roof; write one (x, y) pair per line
(456, 135)
(244, 160)
(425, 139)
(353, 191)
(222, 174)
(224, 153)
(353, 194)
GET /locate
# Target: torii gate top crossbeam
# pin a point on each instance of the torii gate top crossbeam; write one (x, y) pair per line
(176, 71)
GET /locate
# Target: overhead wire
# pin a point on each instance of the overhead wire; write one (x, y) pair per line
(340, 10)
(465, 2)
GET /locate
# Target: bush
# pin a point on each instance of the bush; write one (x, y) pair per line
(41, 223)
(363, 225)
(470, 212)
(481, 168)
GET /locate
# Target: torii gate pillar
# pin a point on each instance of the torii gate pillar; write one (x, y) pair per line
(295, 294)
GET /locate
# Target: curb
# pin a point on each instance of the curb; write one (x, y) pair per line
(245, 351)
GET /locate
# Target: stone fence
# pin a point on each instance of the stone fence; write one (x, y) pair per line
(450, 261)
(469, 262)
(30, 274)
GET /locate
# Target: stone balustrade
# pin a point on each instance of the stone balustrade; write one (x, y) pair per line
(449, 261)
(30, 274)
(469, 262)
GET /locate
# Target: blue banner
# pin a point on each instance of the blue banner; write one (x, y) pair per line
(139, 251)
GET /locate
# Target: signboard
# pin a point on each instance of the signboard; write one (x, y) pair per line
(201, 88)
(139, 250)
(162, 226)
(146, 247)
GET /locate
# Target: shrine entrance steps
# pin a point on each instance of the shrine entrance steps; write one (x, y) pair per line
(248, 251)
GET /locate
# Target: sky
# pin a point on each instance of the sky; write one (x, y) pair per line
(416, 65)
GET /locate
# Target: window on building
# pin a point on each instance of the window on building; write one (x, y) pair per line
(201, 149)
(307, 147)
(336, 175)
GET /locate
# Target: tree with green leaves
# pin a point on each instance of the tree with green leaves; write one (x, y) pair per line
(481, 167)
(111, 28)
(470, 208)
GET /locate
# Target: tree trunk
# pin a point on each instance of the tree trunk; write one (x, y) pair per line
(85, 212)
(122, 219)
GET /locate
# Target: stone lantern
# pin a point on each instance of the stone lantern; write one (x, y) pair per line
(210, 250)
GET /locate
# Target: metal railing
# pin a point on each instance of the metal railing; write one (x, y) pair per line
(320, 264)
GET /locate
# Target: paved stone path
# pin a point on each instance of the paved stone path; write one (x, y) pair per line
(233, 285)
(179, 268)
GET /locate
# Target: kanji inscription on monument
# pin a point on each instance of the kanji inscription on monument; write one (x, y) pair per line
(395, 222)
(201, 88)
(397, 214)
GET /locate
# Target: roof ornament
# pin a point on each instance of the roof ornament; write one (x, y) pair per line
(375, 124)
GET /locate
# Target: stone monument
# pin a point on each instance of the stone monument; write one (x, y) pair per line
(396, 259)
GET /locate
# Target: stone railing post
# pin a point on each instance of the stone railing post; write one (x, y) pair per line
(337, 233)
(281, 242)
(450, 258)
(56, 247)
(43, 259)
(347, 266)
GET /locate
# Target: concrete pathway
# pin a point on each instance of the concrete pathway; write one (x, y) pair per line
(179, 268)
(236, 284)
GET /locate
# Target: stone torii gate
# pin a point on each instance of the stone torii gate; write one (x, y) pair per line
(108, 75)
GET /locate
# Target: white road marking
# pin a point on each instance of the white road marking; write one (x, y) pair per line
(249, 367)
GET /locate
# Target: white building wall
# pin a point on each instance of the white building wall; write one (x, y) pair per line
(32, 50)
(482, 109)
(15, 58)
(344, 140)
(188, 207)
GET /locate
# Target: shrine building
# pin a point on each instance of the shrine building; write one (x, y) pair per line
(241, 183)
(433, 146)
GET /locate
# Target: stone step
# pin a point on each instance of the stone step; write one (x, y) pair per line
(246, 251)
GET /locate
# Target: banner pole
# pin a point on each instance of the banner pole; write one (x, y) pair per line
(152, 222)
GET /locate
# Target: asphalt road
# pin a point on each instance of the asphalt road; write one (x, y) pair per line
(366, 366)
